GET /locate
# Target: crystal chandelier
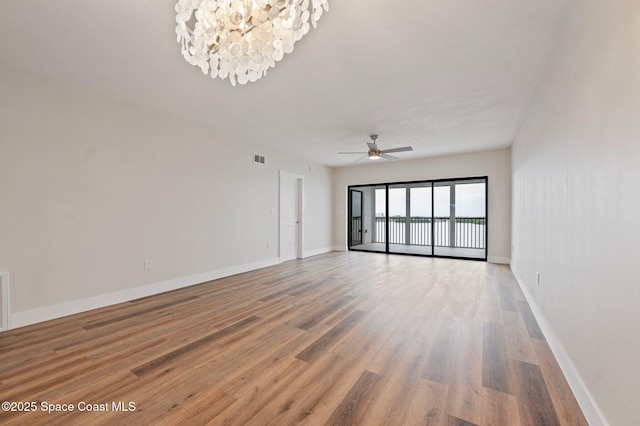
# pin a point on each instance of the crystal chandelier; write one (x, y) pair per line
(242, 39)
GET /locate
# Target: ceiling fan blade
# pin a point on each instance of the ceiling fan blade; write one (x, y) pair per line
(404, 148)
(358, 152)
(388, 157)
(360, 159)
(372, 146)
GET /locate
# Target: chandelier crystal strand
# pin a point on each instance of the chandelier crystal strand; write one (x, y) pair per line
(242, 39)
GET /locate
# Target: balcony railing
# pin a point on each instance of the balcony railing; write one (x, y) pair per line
(468, 232)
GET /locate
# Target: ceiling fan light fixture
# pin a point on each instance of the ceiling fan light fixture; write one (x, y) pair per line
(242, 39)
(375, 153)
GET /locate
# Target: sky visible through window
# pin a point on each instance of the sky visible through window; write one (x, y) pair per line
(470, 201)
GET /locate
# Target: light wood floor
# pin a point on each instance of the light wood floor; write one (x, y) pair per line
(343, 338)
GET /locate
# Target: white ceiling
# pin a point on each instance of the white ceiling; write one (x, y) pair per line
(445, 76)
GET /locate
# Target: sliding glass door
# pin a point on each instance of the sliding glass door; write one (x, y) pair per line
(367, 218)
(446, 218)
(410, 218)
(460, 218)
(356, 218)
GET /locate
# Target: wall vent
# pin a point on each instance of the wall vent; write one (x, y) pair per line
(258, 158)
(4, 301)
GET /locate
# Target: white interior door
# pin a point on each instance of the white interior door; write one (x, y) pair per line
(290, 216)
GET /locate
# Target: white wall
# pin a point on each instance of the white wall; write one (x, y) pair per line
(494, 164)
(576, 203)
(90, 189)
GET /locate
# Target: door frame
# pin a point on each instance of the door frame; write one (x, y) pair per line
(433, 183)
(350, 220)
(300, 201)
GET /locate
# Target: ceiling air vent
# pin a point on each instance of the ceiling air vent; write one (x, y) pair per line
(258, 158)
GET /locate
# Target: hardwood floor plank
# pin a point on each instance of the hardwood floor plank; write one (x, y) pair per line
(319, 316)
(106, 336)
(489, 309)
(84, 383)
(464, 398)
(534, 403)
(324, 343)
(439, 364)
(18, 390)
(354, 352)
(518, 340)
(385, 359)
(163, 394)
(303, 400)
(507, 301)
(316, 283)
(530, 321)
(199, 411)
(427, 405)
(325, 382)
(286, 291)
(269, 360)
(171, 356)
(496, 365)
(278, 278)
(30, 343)
(354, 405)
(567, 409)
(30, 372)
(392, 402)
(499, 409)
(137, 313)
(367, 335)
(454, 421)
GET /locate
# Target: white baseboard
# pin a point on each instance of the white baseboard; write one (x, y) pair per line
(317, 252)
(587, 403)
(339, 248)
(499, 259)
(21, 319)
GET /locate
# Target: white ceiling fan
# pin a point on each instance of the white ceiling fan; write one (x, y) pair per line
(376, 153)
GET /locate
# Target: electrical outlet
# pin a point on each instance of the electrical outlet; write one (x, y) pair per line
(148, 265)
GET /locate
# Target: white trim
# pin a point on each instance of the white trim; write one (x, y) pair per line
(301, 216)
(339, 248)
(21, 319)
(5, 321)
(317, 252)
(499, 259)
(587, 403)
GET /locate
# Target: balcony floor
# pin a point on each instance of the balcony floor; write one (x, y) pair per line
(423, 250)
